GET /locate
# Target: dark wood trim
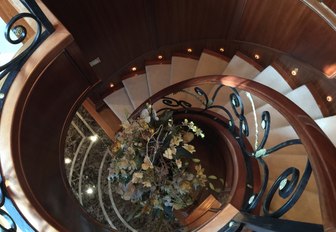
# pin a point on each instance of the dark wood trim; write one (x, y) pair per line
(321, 102)
(115, 87)
(43, 97)
(190, 56)
(133, 74)
(286, 75)
(249, 60)
(154, 62)
(216, 54)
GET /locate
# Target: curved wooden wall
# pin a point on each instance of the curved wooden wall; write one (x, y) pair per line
(39, 107)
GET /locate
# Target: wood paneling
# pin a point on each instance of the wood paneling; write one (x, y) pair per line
(291, 27)
(127, 33)
(56, 93)
(115, 31)
(178, 21)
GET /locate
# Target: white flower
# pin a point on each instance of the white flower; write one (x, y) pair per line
(145, 115)
(189, 148)
(178, 163)
(199, 132)
(169, 152)
(176, 140)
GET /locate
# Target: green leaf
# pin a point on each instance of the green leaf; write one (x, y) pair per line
(218, 190)
(196, 160)
(211, 186)
(221, 180)
(212, 177)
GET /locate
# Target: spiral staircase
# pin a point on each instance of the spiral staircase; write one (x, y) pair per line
(52, 76)
(137, 88)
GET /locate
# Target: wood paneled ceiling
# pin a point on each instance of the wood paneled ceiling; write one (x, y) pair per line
(118, 32)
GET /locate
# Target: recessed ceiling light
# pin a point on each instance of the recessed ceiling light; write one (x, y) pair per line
(111, 85)
(89, 190)
(257, 56)
(329, 98)
(67, 160)
(295, 71)
(134, 68)
(160, 57)
(221, 49)
(93, 138)
(189, 50)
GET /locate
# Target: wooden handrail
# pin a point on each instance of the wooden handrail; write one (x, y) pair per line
(321, 152)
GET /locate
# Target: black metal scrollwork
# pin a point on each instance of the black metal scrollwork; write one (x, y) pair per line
(292, 187)
(12, 219)
(21, 32)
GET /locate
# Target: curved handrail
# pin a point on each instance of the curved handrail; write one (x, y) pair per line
(321, 152)
(323, 11)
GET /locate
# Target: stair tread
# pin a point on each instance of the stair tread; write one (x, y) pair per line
(301, 96)
(182, 68)
(158, 77)
(269, 77)
(120, 104)
(308, 202)
(279, 162)
(305, 100)
(137, 89)
(210, 64)
(240, 67)
(237, 66)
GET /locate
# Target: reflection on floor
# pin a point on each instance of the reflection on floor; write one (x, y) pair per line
(87, 158)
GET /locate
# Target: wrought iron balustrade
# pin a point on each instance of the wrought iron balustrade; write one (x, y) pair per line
(289, 184)
(12, 219)
(17, 27)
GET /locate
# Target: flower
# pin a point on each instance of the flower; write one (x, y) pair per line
(147, 184)
(145, 115)
(169, 152)
(137, 176)
(178, 163)
(147, 163)
(189, 148)
(150, 163)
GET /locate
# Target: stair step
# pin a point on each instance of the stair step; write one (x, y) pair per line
(279, 162)
(282, 134)
(137, 89)
(305, 100)
(240, 66)
(120, 104)
(306, 209)
(182, 68)
(158, 77)
(211, 63)
(269, 77)
(301, 96)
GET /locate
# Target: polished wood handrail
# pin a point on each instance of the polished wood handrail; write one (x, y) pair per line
(321, 152)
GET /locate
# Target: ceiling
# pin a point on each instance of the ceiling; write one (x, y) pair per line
(123, 33)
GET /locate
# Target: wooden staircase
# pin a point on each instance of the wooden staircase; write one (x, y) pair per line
(161, 74)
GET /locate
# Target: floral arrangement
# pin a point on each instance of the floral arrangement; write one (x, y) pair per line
(153, 163)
